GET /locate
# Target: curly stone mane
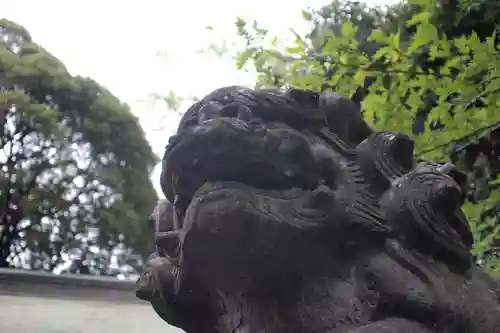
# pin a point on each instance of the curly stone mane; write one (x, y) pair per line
(286, 213)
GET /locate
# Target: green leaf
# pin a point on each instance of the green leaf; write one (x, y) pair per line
(463, 45)
(419, 18)
(382, 52)
(491, 42)
(423, 3)
(397, 40)
(359, 77)
(307, 15)
(372, 105)
(493, 85)
(294, 50)
(349, 30)
(244, 56)
(240, 26)
(378, 36)
(426, 34)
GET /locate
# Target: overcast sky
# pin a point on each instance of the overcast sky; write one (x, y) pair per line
(117, 43)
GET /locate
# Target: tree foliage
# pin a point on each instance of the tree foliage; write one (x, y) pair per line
(425, 67)
(73, 160)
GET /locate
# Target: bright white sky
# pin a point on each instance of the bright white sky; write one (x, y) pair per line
(117, 43)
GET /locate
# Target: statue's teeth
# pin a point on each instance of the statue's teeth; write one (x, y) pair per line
(176, 217)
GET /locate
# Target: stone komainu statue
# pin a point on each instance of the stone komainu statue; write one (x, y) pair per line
(286, 213)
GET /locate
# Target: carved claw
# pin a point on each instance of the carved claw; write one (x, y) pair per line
(385, 157)
(156, 280)
(424, 204)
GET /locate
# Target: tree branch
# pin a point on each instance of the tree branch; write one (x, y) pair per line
(468, 136)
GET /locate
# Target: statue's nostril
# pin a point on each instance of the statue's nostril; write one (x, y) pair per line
(230, 111)
(236, 110)
(210, 110)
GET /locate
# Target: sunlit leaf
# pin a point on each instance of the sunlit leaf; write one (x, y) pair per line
(307, 15)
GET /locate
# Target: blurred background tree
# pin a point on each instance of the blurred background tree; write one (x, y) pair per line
(75, 188)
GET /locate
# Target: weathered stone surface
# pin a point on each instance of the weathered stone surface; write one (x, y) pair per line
(286, 213)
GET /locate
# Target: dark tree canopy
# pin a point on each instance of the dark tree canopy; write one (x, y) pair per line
(73, 160)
